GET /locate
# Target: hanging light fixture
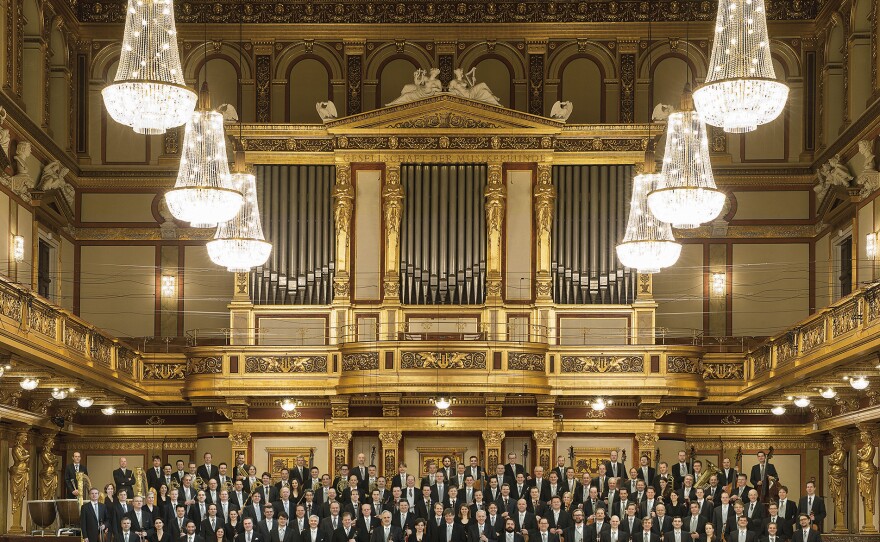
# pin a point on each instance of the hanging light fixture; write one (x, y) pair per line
(204, 194)
(442, 403)
(149, 92)
(85, 402)
(778, 410)
(741, 90)
(239, 244)
(648, 244)
(686, 195)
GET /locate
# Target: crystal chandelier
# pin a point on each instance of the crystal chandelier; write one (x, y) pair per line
(741, 90)
(239, 244)
(204, 194)
(648, 244)
(149, 92)
(686, 195)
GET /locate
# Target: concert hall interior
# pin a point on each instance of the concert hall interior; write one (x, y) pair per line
(625, 248)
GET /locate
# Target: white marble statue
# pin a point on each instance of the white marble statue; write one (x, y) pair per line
(52, 178)
(4, 141)
(22, 183)
(326, 110)
(167, 228)
(866, 149)
(662, 112)
(424, 85)
(229, 113)
(831, 173)
(466, 86)
(561, 111)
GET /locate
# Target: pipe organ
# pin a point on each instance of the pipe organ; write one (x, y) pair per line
(589, 220)
(443, 234)
(295, 207)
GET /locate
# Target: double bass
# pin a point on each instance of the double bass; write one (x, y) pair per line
(769, 484)
(737, 466)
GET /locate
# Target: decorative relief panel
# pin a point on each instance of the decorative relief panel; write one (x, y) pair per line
(845, 318)
(603, 364)
(42, 320)
(264, 81)
(600, 144)
(445, 119)
(75, 337)
(364, 361)
(813, 336)
(682, 364)
(101, 349)
(200, 366)
(164, 371)
(10, 304)
(353, 83)
(443, 360)
(525, 361)
(125, 361)
(723, 371)
(443, 11)
(285, 364)
(759, 360)
(627, 87)
(786, 349)
(536, 84)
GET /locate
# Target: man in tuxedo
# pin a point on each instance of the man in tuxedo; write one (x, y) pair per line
(399, 479)
(680, 469)
(70, 473)
(662, 474)
(282, 533)
(560, 468)
(592, 503)
(762, 472)
(772, 534)
(268, 524)
(404, 519)
(510, 534)
(646, 472)
(649, 504)
(804, 532)
(177, 523)
(525, 520)
(787, 508)
(559, 519)
(224, 505)
(742, 532)
(543, 533)
(713, 492)
(123, 478)
(613, 467)
(268, 492)
(207, 470)
(425, 505)
(439, 489)
(506, 502)
(430, 478)
(813, 506)
(346, 532)
(723, 517)
(154, 474)
(662, 522)
(695, 523)
(601, 481)
(782, 528)
(535, 505)
(494, 520)
(178, 474)
(199, 511)
(332, 522)
(676, 534)
(569, 482)
(577, 531)
(594, 531)
(249, 534)
(93, 517)
(631, 522)
(541, 483)
(480, 531)
(520, 490)
(140, 519)
(300, 521)
(449, 531)
(741, 491)
(313, 533)
(300, 470)
(284, 504)
(448, 469)
(211, 523)
(646, 533)
(614, 534)
(360, 469)
(512, 468)
(728, 474)
(255, 509)
(125, 532)
(191, 535)
(284, 481)
(755, 511)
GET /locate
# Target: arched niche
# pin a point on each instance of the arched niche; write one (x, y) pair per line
(119, 144)
(589, 65)
(674, 62)
(582, 82)
(230, 75)
(393, 75)
(771, 142)
(223, 77)
(500, 65)
(33, 62)
(309, 83)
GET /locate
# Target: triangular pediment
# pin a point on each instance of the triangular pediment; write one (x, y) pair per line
(445, 112)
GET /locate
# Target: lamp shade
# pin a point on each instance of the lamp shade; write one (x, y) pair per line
(648, 244)
(239, 243)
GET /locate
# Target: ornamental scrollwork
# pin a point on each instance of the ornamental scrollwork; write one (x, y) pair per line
(362, 361)
(340, 439)
(544, 438)
(603, 364)
(75, 336)
(786, 349)
(813, 336)
(101, 349)
(10, 304)
(201, 366)
(239, 439)
(683, 364)
(525, 361)
(443, 360)
(444, 119)
(760, 361)
(42, 320)
(845, 318)
(389, 438)
(285, 364)
(164, 371)
(723, 371)
(125, 359)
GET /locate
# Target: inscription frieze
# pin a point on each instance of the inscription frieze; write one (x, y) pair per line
(443, 360)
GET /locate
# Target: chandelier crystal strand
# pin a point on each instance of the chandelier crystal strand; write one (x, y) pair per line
(741, 90)
(648, 245)
(204, 194)
(149, 92)
(686, 195)
(239, 244)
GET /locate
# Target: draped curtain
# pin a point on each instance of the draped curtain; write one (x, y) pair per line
(295, 206)
(591, 211)
(443, 234)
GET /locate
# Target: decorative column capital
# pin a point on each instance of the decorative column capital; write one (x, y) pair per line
(340, 439)
(493, 438)
(545, 438)
(239, 439)
(390, 438)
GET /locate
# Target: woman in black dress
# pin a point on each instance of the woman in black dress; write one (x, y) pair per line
(158, 532)
(233, 526)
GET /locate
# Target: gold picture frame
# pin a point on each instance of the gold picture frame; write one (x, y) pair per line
(436, 454)
(589, 459)
(280, 458)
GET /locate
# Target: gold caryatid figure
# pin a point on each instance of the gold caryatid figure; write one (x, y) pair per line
(867, 477)
(49, 472)
(837, 473)
(19, 478)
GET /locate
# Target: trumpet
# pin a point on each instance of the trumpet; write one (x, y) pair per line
(199, 484)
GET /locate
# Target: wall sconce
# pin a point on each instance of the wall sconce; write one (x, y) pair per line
(169, 285)
(719, 284)
(871, 245)
(18, 248)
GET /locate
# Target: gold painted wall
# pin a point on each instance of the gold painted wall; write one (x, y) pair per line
(207, 290)
(772, 205)
(118, 287)
(679, 293)
(117, 207)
